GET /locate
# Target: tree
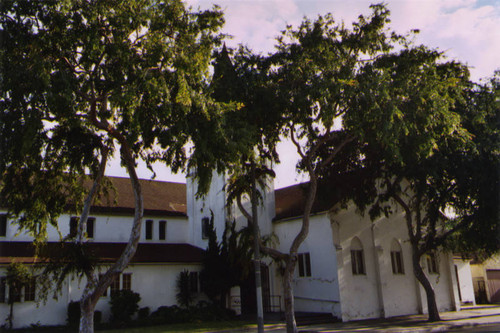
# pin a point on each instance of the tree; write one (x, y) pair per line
(478, 171)
(423, 153)
(18, 277)
(314, 73)
(83, 79)
(248, 134)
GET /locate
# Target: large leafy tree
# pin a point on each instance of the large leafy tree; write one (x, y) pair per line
(253, 133)
(82, 79)
(367, 99)
(314, 73)
(427, 136)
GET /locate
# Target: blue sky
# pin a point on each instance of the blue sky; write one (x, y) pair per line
(467, 30)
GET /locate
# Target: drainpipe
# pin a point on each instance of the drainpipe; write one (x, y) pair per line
(377, 273)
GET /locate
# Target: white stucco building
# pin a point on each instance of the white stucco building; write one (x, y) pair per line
(349, 266)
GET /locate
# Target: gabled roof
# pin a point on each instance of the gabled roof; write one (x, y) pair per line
(290, 201)
(109, 252)
(160, 198)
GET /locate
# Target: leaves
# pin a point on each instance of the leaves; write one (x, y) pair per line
(78, 76)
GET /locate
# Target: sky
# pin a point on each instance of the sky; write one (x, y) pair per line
(466, 30)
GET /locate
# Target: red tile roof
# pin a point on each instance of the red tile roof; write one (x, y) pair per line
(160, 198)
(109, 252)
(290, 201)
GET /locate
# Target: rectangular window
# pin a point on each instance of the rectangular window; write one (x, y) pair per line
(304, 264)
(115, 285)
(205, 227)
(162, 230)
(73, 226)
(29, 290)
(358, 262)
(3, 289)
(90, 227)
(397, 262)
(193, 281)
(432, 264)
(127, 281)
(3, 225)
(149, 229)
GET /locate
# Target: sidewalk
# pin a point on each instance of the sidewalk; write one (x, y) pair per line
(467, 317)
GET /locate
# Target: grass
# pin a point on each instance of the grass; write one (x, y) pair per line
(198, 327)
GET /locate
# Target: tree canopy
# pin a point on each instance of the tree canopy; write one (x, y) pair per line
(83, 79)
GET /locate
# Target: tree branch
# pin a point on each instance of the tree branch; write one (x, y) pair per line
(90, 197)
(337, 149)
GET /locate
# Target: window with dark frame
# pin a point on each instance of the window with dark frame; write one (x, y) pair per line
(304, 260)
(3, 289)
(29, 290)
(127, 281)
(73, 226)
(205, 227)
(432, 264)
(115, 285)
(162, 230)
(149, 229)
(193, 282)
(90, 227)
(3, 225)
(397, 262)
(358, 262)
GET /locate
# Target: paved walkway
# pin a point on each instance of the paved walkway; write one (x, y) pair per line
(467, 317)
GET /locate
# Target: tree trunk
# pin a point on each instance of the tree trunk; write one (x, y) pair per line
(10, 318)
(291, 325)
(87, 316)
(429, 290)
(256, 249)
(96, 287)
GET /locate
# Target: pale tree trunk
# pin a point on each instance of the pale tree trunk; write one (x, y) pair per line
(86, 306)
(291, 324)
(415, 235)
(429, 290)
(96, 287)
(256, 248)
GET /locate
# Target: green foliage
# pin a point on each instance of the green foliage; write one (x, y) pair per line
(63, 259)
(83, 78)
(184, 294)
(78, 76)
(226, 263)
(143, 313)
(203, 311)
(17, 276)
(217, 277)
(124, 304)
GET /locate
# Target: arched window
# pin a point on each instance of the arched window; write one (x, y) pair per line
(357, 257)
(397, 258)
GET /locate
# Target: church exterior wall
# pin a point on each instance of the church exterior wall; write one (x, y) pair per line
(320, 291)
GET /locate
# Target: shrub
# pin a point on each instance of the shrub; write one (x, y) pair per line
(203, 311)
(184, 294)
(143, 313)
(124, 304)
